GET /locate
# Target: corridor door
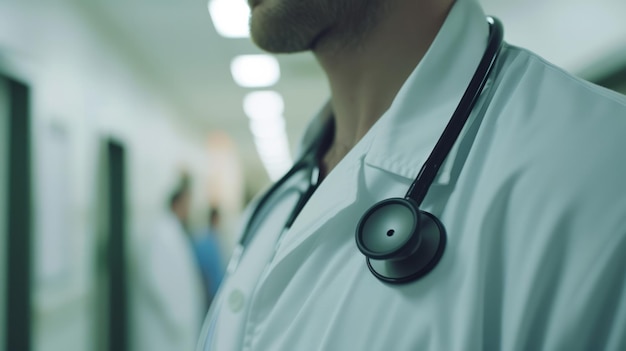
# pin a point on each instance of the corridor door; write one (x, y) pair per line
(15, 215)
(112, 315)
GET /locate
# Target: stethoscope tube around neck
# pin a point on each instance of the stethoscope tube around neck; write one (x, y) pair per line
(418, 190)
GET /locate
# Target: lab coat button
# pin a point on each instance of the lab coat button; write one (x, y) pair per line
(236, 300)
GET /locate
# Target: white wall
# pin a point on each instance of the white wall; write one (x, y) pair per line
(573, 34)
(82, 86)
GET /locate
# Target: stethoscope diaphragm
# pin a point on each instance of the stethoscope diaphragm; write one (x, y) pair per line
(401, 243)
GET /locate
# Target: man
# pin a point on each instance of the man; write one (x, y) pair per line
(168, 300)
(532, 196)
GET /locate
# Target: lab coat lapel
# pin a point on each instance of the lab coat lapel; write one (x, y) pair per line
(330, 200)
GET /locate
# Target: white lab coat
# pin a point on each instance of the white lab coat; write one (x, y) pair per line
(168, 302)
(533, 198)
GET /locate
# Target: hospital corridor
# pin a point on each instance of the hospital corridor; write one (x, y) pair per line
(135, 133)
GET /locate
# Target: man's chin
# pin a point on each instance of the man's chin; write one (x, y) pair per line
(279, 45)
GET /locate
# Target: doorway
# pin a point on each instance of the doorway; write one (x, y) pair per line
(112, 300)
(15, 213)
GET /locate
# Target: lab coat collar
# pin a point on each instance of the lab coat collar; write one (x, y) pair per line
(410, 128)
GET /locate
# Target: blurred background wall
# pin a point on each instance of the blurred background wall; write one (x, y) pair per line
(85, 92)
(154, 81)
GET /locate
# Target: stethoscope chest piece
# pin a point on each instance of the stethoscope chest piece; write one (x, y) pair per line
(401, 242)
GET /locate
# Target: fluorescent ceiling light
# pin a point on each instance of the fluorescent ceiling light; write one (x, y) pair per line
(265, 111)
(255, 71)
(275, 156)
(263, 105)
(273, 149)
(267, 129)
(230, 17)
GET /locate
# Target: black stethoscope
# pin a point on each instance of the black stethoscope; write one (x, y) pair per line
(401, 242)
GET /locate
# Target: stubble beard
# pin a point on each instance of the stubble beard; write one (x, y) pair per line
(290, 26)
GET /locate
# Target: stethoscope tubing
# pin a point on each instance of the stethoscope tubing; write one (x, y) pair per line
(247, 233)
(419, 188)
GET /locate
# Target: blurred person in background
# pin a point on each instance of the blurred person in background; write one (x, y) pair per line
(208, 252)
(169, 304)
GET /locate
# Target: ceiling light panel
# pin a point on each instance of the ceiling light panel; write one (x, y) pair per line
(255, 71)
(267, 124)
(230, 18)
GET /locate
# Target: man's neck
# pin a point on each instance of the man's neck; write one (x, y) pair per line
(365, 78)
